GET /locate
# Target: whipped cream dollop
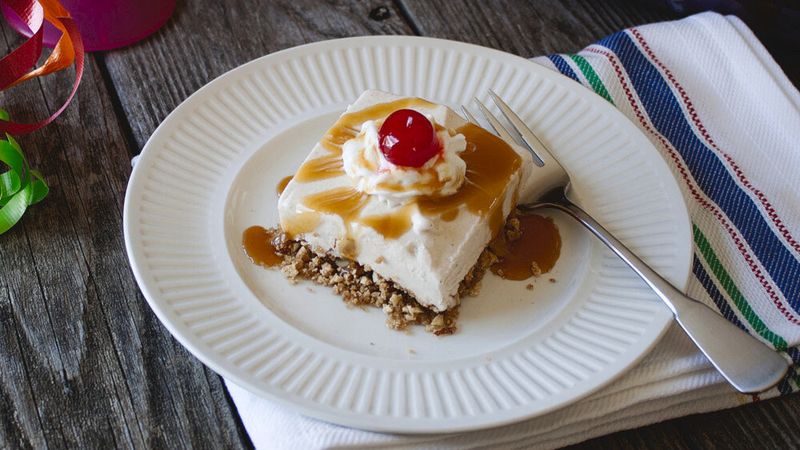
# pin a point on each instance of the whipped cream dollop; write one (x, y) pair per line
(373, 174)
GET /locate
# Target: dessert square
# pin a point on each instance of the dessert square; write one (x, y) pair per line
(395, 207)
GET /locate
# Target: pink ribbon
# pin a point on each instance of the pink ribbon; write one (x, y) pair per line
(16, 66)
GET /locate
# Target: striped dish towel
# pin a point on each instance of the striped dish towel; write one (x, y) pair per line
(727, 121)
(725, 118)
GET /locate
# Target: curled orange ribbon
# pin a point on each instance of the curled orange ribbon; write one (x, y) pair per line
(16, 66)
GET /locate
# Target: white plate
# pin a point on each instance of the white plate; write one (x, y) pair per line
(210, 170)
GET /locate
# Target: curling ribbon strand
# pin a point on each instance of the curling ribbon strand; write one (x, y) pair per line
(69, 49)
(14, 65)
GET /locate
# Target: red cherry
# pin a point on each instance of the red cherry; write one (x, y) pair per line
(407, 138)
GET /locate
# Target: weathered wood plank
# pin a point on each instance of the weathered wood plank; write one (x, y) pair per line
(768, 424)
(532, 28)
(529, 28)
(87, 364)
(50, 292)
(206, 39)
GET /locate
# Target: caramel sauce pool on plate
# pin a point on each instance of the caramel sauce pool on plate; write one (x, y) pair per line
(540, 244)
(257, 245)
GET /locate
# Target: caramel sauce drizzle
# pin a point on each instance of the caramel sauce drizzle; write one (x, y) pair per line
(434, 184)
(282, 184)
(347, 127)
(304, 222)
(535, 252)
(368, 164)
(336, 137)
(257, 245)
(449, 216)
(344, 202)
(491, 162)
(392, 225)
(349, 124)
(329, 166)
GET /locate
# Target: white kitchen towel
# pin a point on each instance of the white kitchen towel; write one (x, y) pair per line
(727, 120)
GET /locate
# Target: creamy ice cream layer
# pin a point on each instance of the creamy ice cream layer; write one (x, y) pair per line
(428, 254)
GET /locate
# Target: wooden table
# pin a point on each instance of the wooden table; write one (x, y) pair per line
(83, 360)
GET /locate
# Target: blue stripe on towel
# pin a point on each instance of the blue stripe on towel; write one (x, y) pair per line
(706, 167)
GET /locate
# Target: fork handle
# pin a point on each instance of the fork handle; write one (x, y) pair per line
(747, 364)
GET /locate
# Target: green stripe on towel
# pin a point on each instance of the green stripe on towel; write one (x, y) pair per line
(591, 76)
(733, 292)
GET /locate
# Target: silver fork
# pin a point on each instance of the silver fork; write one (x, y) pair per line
(747, 364)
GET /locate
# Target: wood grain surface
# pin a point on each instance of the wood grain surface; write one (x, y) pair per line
(84, 363)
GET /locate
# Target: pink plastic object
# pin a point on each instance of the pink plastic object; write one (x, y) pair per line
(105, 24)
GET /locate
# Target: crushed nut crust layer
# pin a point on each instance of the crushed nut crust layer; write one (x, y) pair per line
(359, 286)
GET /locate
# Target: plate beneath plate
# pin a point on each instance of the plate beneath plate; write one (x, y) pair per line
(210, 171)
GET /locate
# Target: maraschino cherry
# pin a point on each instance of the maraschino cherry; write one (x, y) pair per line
(407, 138)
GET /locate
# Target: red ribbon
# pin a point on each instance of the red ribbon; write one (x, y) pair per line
(18, 62)
(16, 66)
